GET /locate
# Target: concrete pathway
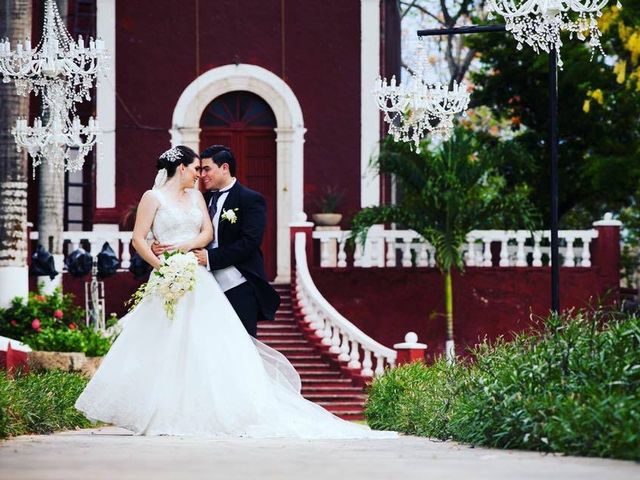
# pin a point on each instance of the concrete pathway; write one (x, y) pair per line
(112, 453)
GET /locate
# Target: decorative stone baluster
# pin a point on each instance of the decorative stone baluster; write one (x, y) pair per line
(504, 252)
(586, 252)
(357, 254)
(125, 260)
(569, 255)
(374, 245)
(423, 257)
(406, 254)
(537, 253)
(379, 365)
(470, 257)
(367, 364)
(335, 340)
(95, 246)
(354, 356)
(342, 256)
(486, 261)
(521, 258)
(344, 349)
(391, 252)
(324, 252)
(432, 256)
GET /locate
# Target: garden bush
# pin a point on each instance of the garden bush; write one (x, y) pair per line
(40, 403)
(52, 323)
(570, 387)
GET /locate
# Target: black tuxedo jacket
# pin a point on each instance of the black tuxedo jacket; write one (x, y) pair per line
(239, 244)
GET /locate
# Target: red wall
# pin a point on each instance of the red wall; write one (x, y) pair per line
(159, 52)
(388, 303)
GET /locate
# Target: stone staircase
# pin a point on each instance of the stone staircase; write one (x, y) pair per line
(322, 380)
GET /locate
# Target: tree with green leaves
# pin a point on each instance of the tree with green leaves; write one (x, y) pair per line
(446, 191)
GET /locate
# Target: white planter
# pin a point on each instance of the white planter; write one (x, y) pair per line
(326, 219)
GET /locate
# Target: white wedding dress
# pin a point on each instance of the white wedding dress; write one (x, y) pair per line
(201, 374)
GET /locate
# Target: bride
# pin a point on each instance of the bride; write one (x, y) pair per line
(200, 373)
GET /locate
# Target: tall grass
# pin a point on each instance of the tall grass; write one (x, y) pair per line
(40, 403)
(573, 387)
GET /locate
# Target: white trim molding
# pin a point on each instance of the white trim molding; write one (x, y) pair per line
(369, 114)
(290, 132)
(106, 108)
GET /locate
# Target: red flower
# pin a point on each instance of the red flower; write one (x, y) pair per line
(58, 314)
(72, 326)
(35, 324)
(39, 298)
(13, 323)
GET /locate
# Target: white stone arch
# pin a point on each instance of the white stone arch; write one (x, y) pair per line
(290, 131)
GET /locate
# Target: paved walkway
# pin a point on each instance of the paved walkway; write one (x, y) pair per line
(112, 453)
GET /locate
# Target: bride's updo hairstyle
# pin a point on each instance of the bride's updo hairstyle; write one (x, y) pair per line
(174, 157)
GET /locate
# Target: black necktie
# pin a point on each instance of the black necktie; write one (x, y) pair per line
(213, 206)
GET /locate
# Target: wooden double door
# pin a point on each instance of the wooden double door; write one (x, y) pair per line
(245, 123)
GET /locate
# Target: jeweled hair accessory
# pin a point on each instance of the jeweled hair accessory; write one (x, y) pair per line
(172, 155)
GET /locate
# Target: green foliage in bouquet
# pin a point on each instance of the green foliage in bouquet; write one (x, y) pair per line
(571, 387)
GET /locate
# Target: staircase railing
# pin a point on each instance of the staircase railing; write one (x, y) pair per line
(343, 338)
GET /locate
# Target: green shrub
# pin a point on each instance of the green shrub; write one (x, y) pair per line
(52, 323)
(86, 340)
(40, 403)
(40, 311)
(573, 388)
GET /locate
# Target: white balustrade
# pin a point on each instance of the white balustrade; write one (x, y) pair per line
(405, 248)
(345, 339)
(120, 242)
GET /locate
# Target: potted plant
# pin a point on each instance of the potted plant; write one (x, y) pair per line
(328, 203)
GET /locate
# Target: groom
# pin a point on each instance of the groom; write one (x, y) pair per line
(234, 257)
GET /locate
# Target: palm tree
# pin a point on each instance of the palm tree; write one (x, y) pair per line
(51, 191)
(15, 23)
(446, 192)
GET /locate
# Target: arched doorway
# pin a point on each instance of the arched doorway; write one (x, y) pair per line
(244, 122)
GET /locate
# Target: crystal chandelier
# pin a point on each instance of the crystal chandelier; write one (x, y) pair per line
(56, 57)
(538, 23)
(61, 140)
(419, 107)
(63, 72)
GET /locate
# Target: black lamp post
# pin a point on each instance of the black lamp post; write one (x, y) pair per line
(553, 140)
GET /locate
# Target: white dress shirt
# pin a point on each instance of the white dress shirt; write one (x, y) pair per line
(229, 277)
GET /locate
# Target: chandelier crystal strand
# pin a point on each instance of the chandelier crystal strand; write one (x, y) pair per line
(539, 23)
(56, 56)
(63, 72)
(61, 140)
(420, 106)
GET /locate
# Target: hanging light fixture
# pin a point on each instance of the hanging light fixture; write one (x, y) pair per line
(420, 106)
(539, 23)
(62, 71)
(60, 140)
(56, 57)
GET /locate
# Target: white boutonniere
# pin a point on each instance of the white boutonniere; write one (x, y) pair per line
(229, 215)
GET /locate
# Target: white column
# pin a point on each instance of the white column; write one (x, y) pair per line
(106, 108)
(369, 114)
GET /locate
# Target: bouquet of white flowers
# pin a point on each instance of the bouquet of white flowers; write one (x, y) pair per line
(171, 281)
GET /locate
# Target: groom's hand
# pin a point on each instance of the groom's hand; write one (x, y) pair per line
(201, 255)
(159, 248)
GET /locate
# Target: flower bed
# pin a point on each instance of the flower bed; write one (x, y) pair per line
(571, 388)
(52, 323)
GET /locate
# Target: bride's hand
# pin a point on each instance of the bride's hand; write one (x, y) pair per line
(182, 247)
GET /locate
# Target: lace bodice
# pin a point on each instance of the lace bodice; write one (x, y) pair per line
(174, 223)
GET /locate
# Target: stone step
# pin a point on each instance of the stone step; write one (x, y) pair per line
(325, 382)
(303, 357)
(334, 397)
(324, 375)
(343, 405)
(296, 349)
(290, 334)
(330, 389)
